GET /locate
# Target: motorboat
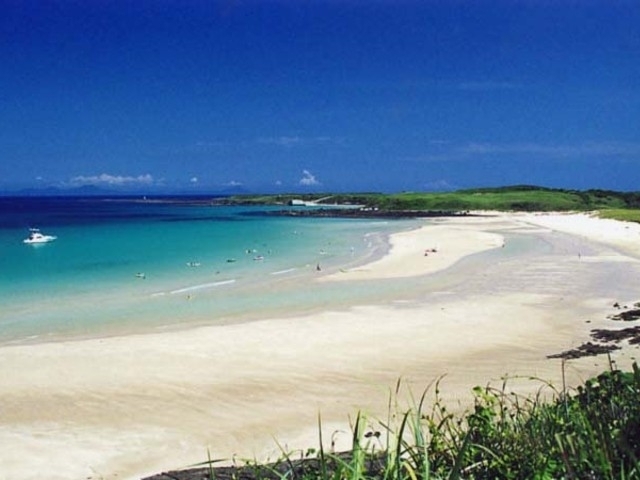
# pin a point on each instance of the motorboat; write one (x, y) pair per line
(36, 236)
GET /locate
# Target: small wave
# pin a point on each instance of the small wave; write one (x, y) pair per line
(280, 272)
(201, 287)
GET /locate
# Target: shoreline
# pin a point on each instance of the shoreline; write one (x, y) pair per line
(159, 303)
(130, 406)
(425, 250)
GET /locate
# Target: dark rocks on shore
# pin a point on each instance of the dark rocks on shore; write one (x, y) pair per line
(628, 315)
(632, 334)
(606, 337)
(585, 350)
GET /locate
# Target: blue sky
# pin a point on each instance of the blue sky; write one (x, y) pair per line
(319, 95)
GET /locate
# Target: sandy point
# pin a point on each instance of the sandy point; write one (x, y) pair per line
(425, 250)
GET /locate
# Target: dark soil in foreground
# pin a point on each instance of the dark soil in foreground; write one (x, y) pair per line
(293, 469)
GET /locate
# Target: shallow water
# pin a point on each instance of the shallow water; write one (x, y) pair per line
(122, 265)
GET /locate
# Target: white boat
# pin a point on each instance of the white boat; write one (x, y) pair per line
(36, 236)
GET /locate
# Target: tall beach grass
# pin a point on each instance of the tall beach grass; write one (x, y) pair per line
(590, 432)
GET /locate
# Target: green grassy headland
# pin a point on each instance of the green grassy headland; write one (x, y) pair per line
(611, 204)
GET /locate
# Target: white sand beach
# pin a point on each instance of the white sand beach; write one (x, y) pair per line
(499, 293)
(423, 251)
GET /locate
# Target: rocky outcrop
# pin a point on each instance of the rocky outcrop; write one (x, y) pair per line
(608, 338)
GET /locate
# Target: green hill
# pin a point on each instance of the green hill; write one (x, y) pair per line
(513, 198)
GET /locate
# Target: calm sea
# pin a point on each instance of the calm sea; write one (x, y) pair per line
(128, 265)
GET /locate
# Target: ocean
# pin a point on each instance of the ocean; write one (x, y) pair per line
(133, 265)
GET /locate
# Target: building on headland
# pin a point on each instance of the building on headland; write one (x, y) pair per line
(296, 202)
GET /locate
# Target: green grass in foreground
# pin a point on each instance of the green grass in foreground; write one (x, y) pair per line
(592, 432)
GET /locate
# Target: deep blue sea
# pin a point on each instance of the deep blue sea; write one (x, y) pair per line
(136, 265)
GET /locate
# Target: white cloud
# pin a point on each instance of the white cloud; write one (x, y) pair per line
(488, 86)
(290, 141)
(204, 147)
(283, 141)
(194, 180)
(233, 183)
(112, 180)
(278, 182)
(532, 150)
(440, 186)
(308, 179)
(585, 149)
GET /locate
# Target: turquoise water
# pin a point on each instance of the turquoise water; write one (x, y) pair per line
(129, 266)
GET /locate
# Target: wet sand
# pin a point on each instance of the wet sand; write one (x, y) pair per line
(125, 407)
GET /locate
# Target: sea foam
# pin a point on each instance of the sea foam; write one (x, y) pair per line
(202, 286)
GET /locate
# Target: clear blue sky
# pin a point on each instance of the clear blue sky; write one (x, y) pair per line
(319, 95)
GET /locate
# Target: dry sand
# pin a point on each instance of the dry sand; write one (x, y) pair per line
(128, 406)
